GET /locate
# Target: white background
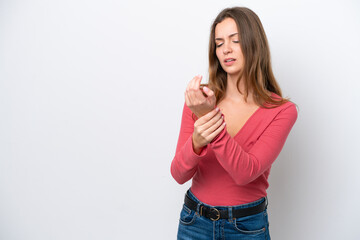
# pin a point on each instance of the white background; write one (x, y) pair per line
(91, 97)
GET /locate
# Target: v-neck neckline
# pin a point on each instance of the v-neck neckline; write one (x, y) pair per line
(247, 122)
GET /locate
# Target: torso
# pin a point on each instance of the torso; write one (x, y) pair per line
(236, 114)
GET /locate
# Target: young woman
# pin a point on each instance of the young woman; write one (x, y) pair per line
(231, 133)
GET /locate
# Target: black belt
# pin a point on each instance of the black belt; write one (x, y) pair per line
(216, 214)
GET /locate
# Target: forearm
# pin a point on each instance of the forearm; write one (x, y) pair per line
(196, 148)
(185, 162)
(245, 166)
(241, 166)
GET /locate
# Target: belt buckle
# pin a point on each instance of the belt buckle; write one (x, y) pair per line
(216, 212)
(201, 209)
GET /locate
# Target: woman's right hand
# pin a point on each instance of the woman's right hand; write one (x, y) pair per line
(206, 128)
(200, 101)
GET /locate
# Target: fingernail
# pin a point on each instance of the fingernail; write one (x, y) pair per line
(217, 109)
(205, 89)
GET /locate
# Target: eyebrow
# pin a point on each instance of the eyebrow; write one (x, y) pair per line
(231, 35)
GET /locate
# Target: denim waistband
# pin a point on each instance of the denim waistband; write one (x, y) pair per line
(251, 204)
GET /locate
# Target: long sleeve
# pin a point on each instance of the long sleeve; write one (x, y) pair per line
(185, 162)
(245, 167)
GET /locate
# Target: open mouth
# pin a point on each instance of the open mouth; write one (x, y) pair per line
(229, 60)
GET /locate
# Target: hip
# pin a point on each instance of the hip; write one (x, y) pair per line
(224, 222)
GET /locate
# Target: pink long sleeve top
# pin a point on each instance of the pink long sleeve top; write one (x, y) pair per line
(233, 170)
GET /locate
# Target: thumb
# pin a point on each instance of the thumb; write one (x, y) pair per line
(208, 91)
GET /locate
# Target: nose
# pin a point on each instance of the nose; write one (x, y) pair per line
(227, 48)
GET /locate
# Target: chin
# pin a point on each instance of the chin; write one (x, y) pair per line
(232, 72)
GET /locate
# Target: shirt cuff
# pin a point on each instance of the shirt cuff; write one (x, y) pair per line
(203, 151)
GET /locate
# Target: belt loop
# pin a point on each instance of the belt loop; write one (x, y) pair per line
(230, 213)
(267, 202)
(198, 208)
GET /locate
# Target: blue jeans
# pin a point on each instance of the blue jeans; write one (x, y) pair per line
(195, 227)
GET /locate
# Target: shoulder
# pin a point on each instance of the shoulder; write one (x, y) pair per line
(287, 110)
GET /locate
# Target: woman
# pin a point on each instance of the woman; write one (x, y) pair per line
(231, 133)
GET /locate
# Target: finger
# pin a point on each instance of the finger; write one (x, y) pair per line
(211, 126)
(208, 116)
(191, 90)
(197, 97)
(187, 100)
(198, 81)
(216, 132)
(207, 129)
(193, 83)
(213, 121)
(204, 119)
(208, 91)
(200, 94)
(189, 86)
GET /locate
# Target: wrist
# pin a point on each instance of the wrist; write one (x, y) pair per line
(196, 148)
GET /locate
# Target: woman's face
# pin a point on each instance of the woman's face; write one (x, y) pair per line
(228, 49)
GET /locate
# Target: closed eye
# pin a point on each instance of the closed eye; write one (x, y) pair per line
(219, 45)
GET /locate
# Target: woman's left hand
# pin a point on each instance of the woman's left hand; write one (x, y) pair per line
(195, 99)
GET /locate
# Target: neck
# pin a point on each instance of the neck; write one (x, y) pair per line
(231, 90)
